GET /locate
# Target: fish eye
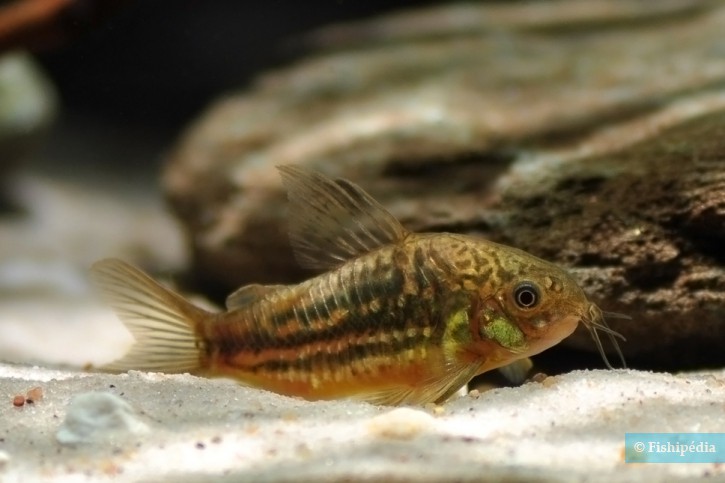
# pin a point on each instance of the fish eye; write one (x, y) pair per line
(526, 295)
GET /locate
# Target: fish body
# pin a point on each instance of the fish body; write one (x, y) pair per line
(396, 317)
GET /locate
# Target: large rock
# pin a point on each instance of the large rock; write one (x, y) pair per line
(592, 138)
(644, 231)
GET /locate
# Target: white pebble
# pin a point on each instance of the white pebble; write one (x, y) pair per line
(98, 416)
(4, 459)
(401, 423)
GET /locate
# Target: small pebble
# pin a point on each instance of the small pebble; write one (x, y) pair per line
(538, 377)
(34, 395)
(98, 416)
(4, 459)
(18, 401)
(401, 423)
(548, 381)
(434, 408)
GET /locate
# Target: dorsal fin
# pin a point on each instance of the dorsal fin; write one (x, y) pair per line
(249, 294)
(332, 221)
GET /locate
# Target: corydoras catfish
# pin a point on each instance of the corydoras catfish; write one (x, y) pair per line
(394, 318)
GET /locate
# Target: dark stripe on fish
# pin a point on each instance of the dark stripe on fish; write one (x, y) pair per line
(350, 353)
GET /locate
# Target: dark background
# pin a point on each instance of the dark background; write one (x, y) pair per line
(129, 83)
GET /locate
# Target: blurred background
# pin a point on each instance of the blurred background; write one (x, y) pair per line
(131, 74)
(94, 94)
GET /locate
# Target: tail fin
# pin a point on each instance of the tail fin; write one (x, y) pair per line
(163, 323)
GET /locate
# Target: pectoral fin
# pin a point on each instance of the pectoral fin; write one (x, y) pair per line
(437, 388)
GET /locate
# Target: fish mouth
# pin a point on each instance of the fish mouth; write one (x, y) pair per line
(594, 319)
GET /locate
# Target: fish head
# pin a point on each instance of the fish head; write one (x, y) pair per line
(535, 305)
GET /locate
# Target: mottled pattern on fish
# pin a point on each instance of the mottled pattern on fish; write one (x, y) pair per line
(378, 313)
(397, 318)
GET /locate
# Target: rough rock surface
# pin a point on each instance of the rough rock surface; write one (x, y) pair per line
(594, 139)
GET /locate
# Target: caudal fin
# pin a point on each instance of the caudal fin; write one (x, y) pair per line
(162, 322)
